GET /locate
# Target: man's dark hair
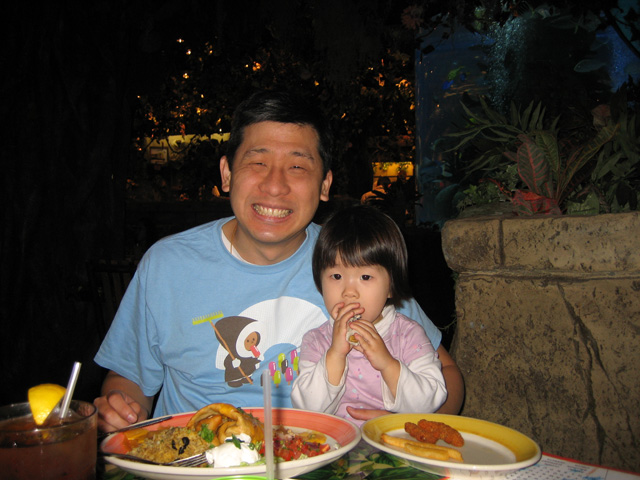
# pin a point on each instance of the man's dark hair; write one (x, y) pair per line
(359, 236)
(282, 107)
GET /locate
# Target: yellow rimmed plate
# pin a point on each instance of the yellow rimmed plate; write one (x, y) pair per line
(490, 450)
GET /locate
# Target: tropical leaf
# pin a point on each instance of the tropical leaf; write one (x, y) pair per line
(589, 206)
(524, 121)
(627, 139)
(533, 167)
(474, 116)
(530, 203)
(484, 163)
(501, 136)
(547, 142)
(467, 136)
(511, 156)
(605, 165)
(536, 118)
(523, 207)
(492, 115)
(515, 115)
(580, 157)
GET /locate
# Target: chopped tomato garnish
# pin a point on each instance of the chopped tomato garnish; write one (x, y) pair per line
(292, 447)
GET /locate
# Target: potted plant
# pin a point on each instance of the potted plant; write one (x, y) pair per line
(542, 168)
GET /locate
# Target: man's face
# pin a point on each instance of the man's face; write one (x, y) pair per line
(275, 187)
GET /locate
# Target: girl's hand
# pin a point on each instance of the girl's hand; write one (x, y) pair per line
(336, 357)
(372, 345)
(341, 314)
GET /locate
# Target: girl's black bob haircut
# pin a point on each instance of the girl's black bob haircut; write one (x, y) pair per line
(359, 236)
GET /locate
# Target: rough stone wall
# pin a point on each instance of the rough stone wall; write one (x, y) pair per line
(548, 331)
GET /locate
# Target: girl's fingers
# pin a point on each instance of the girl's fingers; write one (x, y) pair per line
(346, 312)
(349, 309)
(335, 311)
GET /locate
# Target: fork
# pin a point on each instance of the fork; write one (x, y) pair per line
(145, 423)
(192, 461)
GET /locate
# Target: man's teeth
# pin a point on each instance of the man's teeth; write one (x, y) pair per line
(271, 212)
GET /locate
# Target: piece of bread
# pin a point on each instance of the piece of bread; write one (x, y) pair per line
(351, 333)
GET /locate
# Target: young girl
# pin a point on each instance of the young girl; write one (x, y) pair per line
(367, 355)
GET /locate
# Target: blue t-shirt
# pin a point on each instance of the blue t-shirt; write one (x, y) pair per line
(199, 326)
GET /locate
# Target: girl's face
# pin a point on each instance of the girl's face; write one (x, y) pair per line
(370, 286)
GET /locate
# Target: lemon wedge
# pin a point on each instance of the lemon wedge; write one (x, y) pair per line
(43, 399)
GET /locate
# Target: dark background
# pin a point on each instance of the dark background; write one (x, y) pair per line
(77, 85)
(70, 85)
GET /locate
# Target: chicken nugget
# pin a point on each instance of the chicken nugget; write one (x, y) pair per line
(419, 434)
(441, 431)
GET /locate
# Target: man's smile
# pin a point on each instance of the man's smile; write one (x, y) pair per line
(271, 212)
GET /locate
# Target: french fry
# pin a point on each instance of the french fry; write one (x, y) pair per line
(426, 452)
(404, 443)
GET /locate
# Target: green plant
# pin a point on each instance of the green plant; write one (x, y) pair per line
(588, 170)
(549, 173)
(615, 177)
(488, 134)
(490, 191)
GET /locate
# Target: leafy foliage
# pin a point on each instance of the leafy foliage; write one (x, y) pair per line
(558, 171)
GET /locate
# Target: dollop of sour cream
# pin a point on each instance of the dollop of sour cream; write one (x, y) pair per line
(229, 455)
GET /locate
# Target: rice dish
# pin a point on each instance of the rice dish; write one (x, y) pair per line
(170, 444)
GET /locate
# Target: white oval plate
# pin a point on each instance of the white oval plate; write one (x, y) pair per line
(490, 450)
(341, 434)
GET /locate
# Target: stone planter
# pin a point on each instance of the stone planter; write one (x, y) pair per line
(548, 329)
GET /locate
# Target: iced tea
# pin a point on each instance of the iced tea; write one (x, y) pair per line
(66, 451)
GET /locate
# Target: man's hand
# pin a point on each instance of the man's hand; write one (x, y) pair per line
(365, 414)
(121, 404)
(454, 382)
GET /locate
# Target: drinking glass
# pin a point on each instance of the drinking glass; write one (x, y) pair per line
(66, 450)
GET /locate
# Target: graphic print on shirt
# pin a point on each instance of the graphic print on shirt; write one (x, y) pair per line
(266, 335)
(239, 337)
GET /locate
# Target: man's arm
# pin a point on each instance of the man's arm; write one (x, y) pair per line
(121, 404)
(452, 379)
(454, 382)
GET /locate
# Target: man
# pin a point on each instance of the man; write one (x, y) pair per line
(378, 192)
(210, 308)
